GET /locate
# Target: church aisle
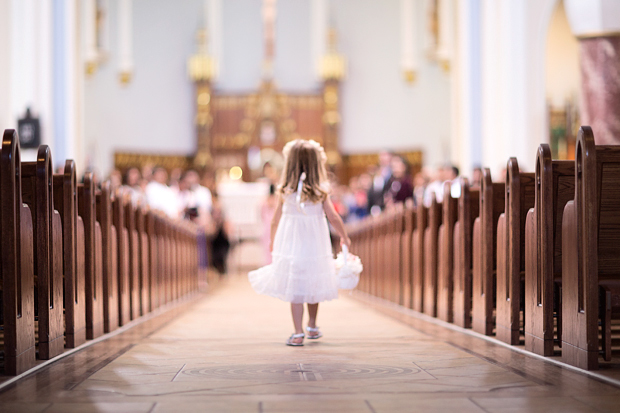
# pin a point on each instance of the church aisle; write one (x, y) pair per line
(225, 353)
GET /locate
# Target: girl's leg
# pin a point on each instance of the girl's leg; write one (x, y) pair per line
(312, 310)
(298, 314)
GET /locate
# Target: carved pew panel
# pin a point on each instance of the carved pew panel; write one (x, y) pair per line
(144, 260)
(445, 268)
(152, 258)
(87, 204)
(431, 246)
(122, 248)
(591, 253)
(407, 254)
(469, 204)
(133, 264)
(519, 198)
(484, 254)
(65, 202)
(394, 235)
(555, 186)
(109, 266)
(37, 184)
(17, 254)
(418, 257)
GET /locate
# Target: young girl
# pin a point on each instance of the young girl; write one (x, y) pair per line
(302, 269)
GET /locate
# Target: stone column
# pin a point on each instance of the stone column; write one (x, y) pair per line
(596, 23)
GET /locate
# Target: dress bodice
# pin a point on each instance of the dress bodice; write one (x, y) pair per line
(291, 207)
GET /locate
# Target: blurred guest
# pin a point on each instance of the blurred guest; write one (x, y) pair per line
(376, 192)
(399, 187)
(131, 184)
(220, 242)
(380, 177)
(435, 187)
(420, 181)
(454, 178)
(160, 196)
(194, 199)
(115, 178)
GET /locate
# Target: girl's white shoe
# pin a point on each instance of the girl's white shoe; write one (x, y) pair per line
(291, 340)
(314, 333)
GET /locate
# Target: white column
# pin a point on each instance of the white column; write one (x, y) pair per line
(7, 120)
(125, 38)
(467, 87)
(213, 23)
(408, 43)
(90, 34)
(492, 141)
(319, 18)
(447, 23)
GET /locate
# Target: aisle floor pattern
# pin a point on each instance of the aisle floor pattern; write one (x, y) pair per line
(225, 352)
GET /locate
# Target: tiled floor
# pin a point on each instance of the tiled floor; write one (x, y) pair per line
(226, 354)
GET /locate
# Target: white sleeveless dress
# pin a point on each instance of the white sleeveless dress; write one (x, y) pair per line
(302, 268)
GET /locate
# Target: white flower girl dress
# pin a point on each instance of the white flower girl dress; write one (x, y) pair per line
(302, 268)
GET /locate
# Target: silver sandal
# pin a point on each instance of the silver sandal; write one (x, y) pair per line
(313, 330)
(290, 341)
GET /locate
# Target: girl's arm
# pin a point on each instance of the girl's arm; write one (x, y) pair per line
(336, 221)
(275, 221)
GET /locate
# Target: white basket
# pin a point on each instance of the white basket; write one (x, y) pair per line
(348, 269)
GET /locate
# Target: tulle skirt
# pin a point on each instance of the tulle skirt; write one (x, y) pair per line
(302, 268)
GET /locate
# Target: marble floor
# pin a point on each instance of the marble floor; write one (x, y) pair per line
(224, 352)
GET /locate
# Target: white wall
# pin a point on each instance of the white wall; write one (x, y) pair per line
(380, 110)
(154, 113)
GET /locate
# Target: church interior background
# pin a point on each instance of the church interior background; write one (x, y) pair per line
(221, 86)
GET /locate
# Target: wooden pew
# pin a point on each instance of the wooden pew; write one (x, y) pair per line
(144, 260)
(469, 204)
(407, 254)
(431, 258)
(153, 260)
(17, 255)
(37, 184)
(394, 232)
(484, 254)
(109, 257)
(133, 255)
(122, 247)
(162, 260)
(65, 202)
(418, 257)
(555, 186)
(93, 263)
(591, 253)
(445, 268)
(519, 198)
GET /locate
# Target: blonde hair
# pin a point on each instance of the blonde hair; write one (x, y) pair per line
(309, 157)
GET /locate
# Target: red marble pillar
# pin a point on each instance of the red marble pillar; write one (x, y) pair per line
(600, 72)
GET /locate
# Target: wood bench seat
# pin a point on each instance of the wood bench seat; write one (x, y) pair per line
(484, 254)
(17, 255)
(591, 253)
(469, 205)
(93, 257)
(519, 198)
(37, 185)
(445, 270)
(555, 186)
(431, 258)
(65, 201)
